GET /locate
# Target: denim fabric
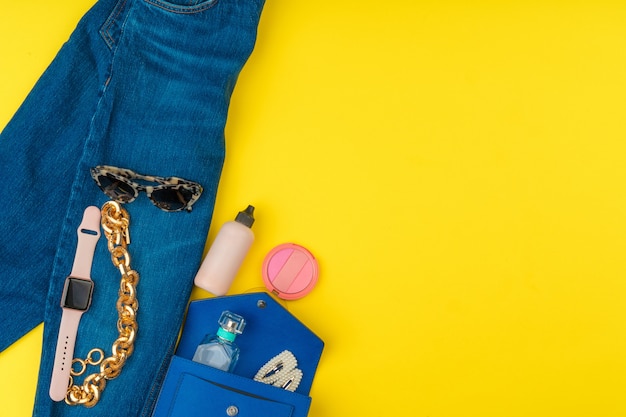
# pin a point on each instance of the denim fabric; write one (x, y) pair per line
(144, 85)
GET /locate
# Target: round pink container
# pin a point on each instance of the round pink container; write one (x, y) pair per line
(290, 271)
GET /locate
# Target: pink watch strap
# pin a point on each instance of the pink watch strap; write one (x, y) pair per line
(64, 354)
(88, 235)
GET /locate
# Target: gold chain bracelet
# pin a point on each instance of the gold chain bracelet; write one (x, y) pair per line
(115, 221)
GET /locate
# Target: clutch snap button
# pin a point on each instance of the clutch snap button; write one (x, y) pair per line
(232, 411)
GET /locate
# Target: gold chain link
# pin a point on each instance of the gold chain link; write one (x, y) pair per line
(115, 221)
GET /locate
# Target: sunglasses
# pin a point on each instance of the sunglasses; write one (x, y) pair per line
(172, 193)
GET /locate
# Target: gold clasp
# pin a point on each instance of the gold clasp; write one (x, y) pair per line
(90, 360)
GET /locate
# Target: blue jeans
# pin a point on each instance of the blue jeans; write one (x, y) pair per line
(144, 85)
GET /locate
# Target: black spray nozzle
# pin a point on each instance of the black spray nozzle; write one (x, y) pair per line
(246, 217)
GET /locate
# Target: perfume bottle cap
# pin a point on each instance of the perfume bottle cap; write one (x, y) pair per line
(246, 217)
(231, 323)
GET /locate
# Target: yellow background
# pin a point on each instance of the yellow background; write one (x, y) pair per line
(457, 167)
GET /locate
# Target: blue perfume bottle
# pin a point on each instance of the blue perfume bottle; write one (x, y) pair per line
(219, 350)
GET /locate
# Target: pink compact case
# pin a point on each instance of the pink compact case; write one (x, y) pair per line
(290, 271)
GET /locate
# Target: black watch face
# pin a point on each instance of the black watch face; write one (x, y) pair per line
(77, 293)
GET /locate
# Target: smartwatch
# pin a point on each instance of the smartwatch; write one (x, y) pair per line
(75, 301)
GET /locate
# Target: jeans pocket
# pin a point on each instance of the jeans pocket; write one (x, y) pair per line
(182, 6)
(111, 29)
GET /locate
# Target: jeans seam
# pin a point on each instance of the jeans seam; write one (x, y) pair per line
(155, 388)
(183, 9)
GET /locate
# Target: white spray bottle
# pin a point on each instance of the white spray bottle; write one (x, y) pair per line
(226, 254)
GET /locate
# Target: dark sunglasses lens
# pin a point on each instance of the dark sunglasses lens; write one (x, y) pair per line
(171, 199)
(116, 189)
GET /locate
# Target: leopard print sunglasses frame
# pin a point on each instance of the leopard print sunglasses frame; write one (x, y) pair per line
(172, 194)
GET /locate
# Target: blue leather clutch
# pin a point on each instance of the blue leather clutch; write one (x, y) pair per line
(193, 389)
